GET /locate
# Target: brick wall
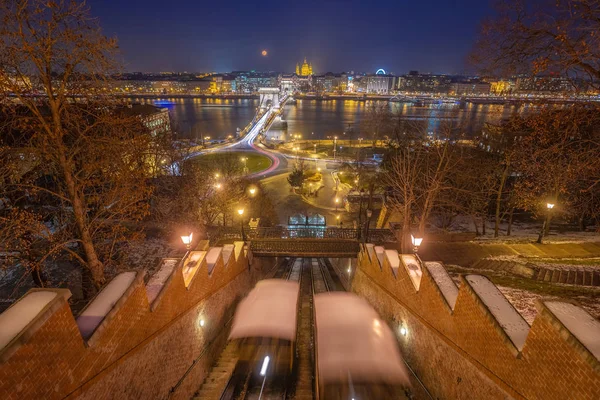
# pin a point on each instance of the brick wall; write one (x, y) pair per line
(464, 352)
(137, 351)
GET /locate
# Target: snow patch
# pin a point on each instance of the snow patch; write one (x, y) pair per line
(97, 310)
(212, 256)
(413, 268)
(394, 260)
(581, 324)
(227, 250)
(17, 317)
(444, 282)
(191, 265)
(509, 319)
(380, 252)
(156, 283)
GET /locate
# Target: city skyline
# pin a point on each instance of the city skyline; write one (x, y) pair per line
(434, 37)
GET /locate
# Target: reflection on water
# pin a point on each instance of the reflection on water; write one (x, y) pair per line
(318, 119)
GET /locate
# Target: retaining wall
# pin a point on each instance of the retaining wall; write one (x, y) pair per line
(471, 343)
(154, 340)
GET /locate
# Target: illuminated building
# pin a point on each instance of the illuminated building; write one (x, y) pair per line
(426, 83)
(379, 83)
(465, 88)
(305, 69)
(501, 87)
(156, 119)
(546, 84)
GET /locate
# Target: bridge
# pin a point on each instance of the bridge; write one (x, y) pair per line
(302, 241)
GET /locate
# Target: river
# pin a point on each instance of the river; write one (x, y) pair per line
(319, 119)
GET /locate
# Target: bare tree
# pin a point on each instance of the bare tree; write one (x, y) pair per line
(418, 175)
(543, 36)
(82, 164)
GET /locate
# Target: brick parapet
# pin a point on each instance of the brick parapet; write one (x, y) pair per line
(553, 363)
(49, 358)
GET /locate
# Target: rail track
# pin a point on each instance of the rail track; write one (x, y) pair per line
(314, 277)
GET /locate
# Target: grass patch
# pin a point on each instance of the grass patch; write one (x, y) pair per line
(233, 160)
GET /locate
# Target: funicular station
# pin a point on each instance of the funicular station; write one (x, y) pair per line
(303, 311)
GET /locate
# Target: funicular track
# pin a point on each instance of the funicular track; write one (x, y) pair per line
(314, 276)
(239, 385)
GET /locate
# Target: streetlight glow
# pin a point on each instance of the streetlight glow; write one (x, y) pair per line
(550, 206)
(416, 241)
(241, 211)
(187, 240)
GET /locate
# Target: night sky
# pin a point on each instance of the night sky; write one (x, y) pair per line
(361, 36)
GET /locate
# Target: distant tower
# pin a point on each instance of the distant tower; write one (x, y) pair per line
(297, 69)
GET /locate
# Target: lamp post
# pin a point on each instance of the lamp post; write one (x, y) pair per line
(315, 146)
(369, 215)
(337, 202)
(187, 240)
(244, 159)
(360, 203)
(546, 225)
(241, 213)
(416, 242)
(252, 191)
(334, 146)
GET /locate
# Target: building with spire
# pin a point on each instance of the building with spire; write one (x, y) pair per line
(305, 69)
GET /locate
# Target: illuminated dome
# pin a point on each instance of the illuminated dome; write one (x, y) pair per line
(305, 69)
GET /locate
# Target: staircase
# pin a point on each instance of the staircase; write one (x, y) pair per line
(215, 382)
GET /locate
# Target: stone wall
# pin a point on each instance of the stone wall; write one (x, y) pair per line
(463, 343)
(147, 346)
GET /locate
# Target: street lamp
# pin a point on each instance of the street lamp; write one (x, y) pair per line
(337, 217)
(217, 186)
(241, 213)
(252, 191)
(416, 242)
(187, 240)
(369, 215)
(334, 146)
(315, 145)
(337, 202)
(217, 175)
(244, 159)
(546, 225)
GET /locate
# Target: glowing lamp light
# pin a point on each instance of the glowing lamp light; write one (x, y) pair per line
(265, 365)
(550, 206)
(187, 240)
(218, 186)
(201, 323)
(403, 330)
(241, 211)
(416, 241)
(252, 191)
